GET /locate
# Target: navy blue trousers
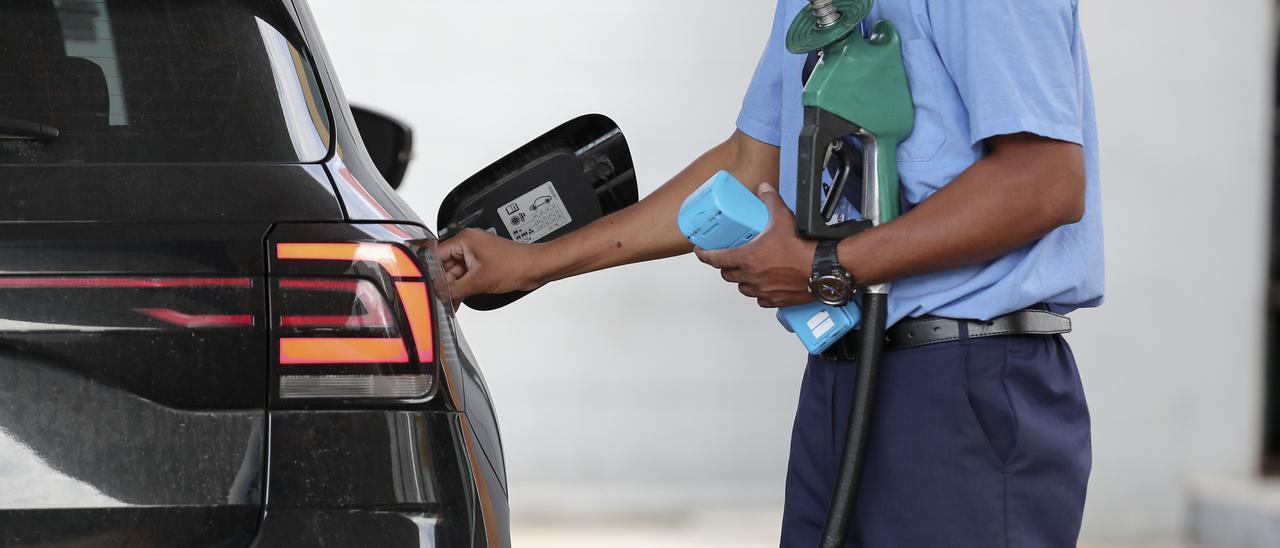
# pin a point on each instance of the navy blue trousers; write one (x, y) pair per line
(980, 443)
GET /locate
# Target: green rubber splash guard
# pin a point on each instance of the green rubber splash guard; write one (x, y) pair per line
(805, 36)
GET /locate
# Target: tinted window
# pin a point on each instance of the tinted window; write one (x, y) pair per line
(158, 81)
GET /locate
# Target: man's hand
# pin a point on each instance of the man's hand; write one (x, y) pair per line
(774, 268)
(479, 263)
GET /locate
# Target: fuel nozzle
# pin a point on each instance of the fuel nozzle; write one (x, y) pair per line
(859, 89)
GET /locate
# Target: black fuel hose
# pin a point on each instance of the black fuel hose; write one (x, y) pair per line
(871, 338)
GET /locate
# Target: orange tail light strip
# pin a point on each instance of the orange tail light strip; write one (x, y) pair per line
(414, 297)
(173, 317)
(122, 283)
(392, 258)
(342, 351)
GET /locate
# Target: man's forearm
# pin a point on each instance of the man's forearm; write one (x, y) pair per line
(995, 207)
(648, 230)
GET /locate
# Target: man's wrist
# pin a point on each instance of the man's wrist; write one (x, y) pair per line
(856, 257)
(556, 260)
(541, 266)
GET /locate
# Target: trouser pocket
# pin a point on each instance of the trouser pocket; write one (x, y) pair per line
(985, 386)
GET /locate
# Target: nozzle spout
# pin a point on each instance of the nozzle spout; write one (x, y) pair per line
(825, 12)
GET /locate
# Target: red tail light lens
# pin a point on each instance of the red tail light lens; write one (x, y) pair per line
(128, 303)
(179, 319)
(335, 305)
(104, 282)
(361, 328)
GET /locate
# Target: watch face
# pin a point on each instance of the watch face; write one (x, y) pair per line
(832, 290)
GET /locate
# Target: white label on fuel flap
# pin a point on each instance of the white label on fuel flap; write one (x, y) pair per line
(533, 216)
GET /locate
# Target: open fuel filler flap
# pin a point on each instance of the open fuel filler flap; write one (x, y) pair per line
(558, 183)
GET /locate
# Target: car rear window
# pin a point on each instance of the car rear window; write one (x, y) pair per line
(157, 81)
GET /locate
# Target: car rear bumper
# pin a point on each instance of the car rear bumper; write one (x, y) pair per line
(388, 478)
(346, 527)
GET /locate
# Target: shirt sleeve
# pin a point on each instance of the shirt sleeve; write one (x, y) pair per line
(761, 115)
(1012, 62)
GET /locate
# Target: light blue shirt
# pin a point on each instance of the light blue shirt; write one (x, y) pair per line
(977, 69)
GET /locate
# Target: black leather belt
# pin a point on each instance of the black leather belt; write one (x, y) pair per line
(927, 330)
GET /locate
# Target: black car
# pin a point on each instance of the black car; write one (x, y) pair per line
(219, 324)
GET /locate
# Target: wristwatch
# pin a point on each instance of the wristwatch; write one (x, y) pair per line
(831, 283)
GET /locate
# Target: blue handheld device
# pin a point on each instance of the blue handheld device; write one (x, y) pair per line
(723, 214)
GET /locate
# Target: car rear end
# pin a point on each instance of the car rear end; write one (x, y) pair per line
(218, 326)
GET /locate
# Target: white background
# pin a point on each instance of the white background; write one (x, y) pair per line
(656, 388)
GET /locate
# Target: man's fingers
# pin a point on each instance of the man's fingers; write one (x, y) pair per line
(732, 275)
(777, 208)
(707, 257)
(462, 288)
(456, 249)
(748, 291)
(451, 249)
(723, 259)
(462, 279)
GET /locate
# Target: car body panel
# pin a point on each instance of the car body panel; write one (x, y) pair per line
(128, 527)
(365, 194)
(373, 464)
(135, 429)
(167, 193)
(286, 528)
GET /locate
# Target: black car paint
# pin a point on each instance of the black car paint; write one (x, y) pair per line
(167, 193)
(185, 457)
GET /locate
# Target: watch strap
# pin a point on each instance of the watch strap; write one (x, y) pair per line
(826, 259)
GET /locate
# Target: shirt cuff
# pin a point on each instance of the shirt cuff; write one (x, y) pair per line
(1009, 126)
(764, 132)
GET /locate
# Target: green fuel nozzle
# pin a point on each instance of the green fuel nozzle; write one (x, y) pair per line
(859, 87)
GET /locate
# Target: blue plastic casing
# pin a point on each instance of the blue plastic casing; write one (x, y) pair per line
(723, 214)
(820, 325)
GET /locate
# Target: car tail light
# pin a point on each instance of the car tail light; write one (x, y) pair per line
(352, 321)
(395, 260)
(129, 303)
(180, 319)
(348, 351)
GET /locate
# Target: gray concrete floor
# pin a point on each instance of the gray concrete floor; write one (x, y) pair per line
(737, 529)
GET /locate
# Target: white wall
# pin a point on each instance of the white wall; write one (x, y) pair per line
(657, 386)
(1173, 362)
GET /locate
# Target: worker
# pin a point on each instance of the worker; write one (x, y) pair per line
(981, 433)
